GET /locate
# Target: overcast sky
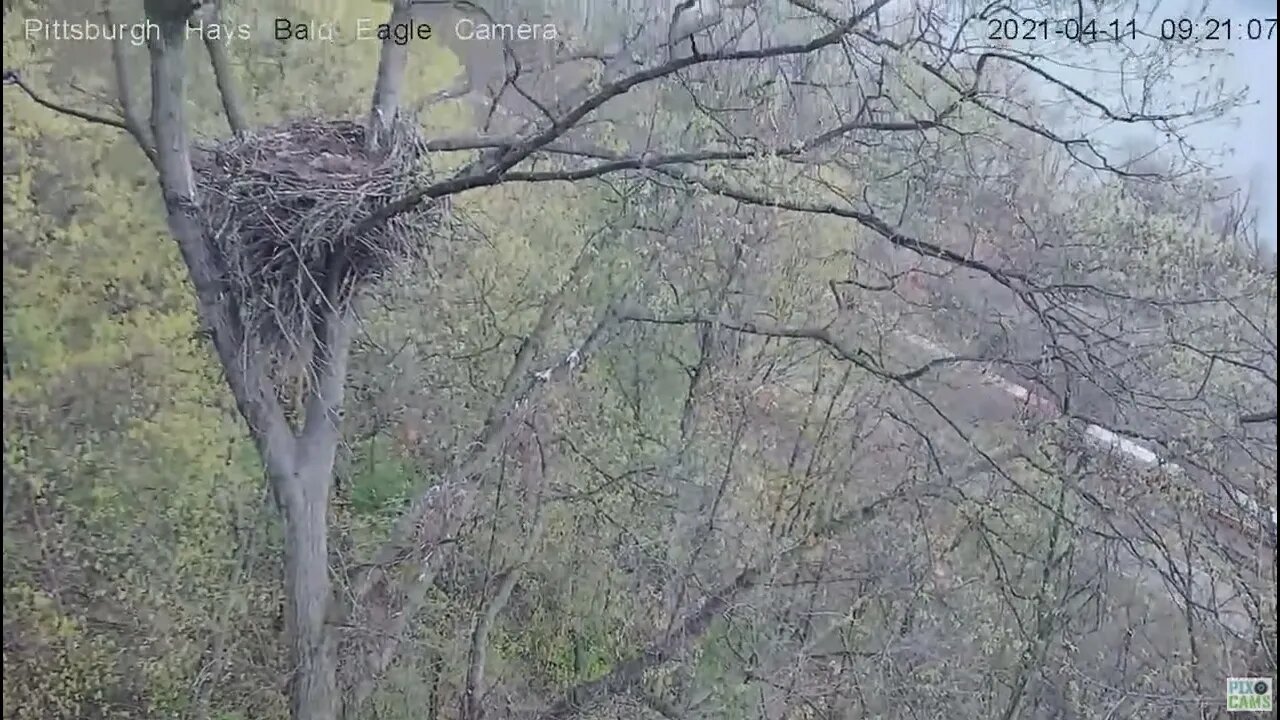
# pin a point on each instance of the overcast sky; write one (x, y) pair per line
(1242, 144)
(1253, 141)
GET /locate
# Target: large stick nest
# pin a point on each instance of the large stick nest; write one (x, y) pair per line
(280, 205)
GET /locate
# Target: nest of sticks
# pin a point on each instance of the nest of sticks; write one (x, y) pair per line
(280, 207)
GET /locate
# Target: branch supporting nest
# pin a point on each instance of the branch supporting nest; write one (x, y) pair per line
(279, 205)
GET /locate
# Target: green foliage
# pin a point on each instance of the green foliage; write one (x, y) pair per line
(561, 651)
(78, 669)
(142, 578)
(716, 665)
(326, 78)
(382, 484)
(139, 581)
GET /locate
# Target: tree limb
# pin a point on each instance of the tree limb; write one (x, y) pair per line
(129, 106)
(11, 77)
(1259, 417)
(859, 357)
(392, 62)
(627, 674)
(294, 476)
(224, 78)
(473, 691)
(490, 170)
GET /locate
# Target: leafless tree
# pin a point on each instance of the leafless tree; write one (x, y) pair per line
(836, 498)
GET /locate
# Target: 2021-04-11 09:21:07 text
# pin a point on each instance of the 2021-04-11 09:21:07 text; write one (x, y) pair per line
(1088, 31)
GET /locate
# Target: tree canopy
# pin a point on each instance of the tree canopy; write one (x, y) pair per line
(766, 360)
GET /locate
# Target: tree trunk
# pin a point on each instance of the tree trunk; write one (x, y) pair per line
(168, 116)
(313, 691)
(304, 493)
(300, 465)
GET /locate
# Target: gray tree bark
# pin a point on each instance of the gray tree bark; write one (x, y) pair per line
(224, 76)
(389, 85)
(299, 464)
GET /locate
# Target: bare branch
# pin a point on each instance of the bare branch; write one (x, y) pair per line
(626, 675)
(1260, 417)
(474, 690)
(490, 171)
(129, 106)
(389, 85)
(224, 77)
(11, 77)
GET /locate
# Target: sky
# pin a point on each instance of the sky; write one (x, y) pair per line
(1240, 145)
(1254, 143)
(1248, 135)
(1246, 139)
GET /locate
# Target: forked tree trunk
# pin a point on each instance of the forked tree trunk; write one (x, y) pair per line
(305, 496)
(304, 490)
(300, 464)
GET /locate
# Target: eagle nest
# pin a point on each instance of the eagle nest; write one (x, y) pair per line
(280, 206)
